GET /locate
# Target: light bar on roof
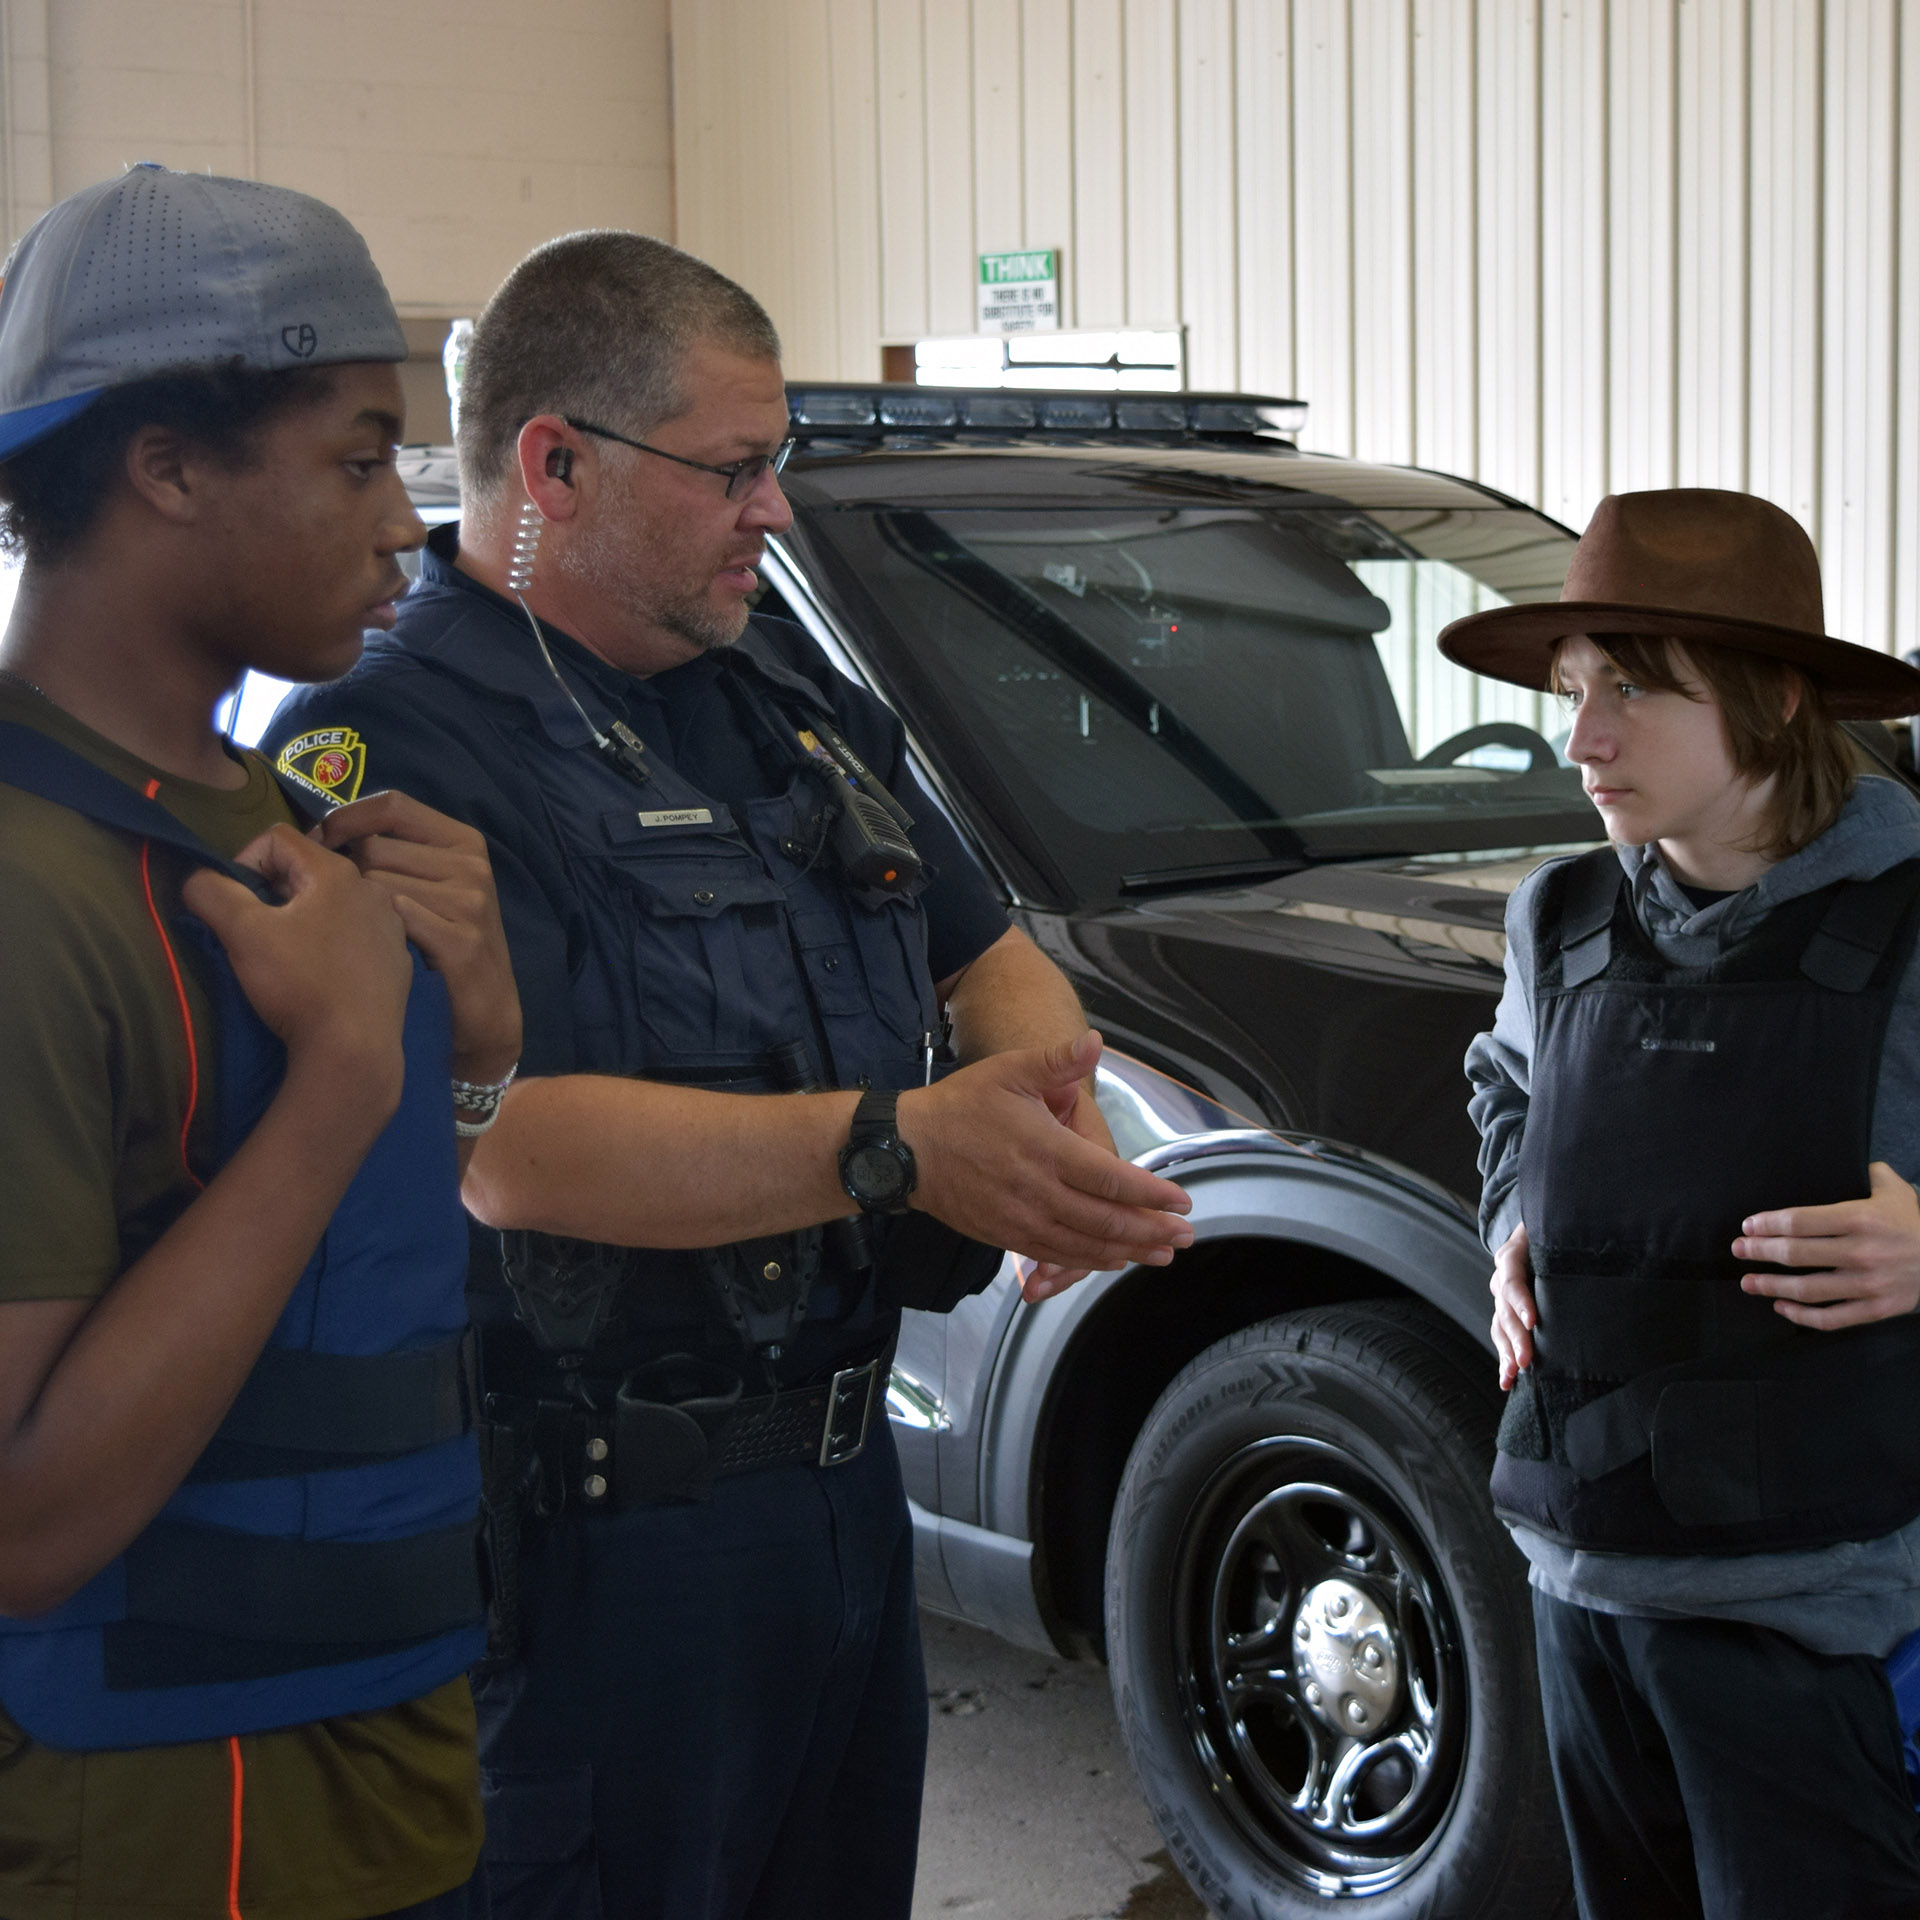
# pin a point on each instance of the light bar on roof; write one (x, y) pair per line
(1130, 360)
(883, 409)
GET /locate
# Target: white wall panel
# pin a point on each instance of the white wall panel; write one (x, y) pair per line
(702, 126)
(1906, 350)
(1381, 43)
(856, 188)
(1150, 31)
(999, 126)
(1097, 267)
(1640, 263)
(1508, 200)
(904, 308)
(1855, 524)
(1209, 225)
(786, 69)
(1574, 335)
(1710, 184)
(454, 143)
(952, 238)
(1569, 246)
(1263, 133)
(1445, 237)
(1323, 217)
(26, 49)
(1783, 300)
(1046, 119)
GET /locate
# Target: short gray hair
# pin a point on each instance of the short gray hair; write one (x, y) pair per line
(594, 324)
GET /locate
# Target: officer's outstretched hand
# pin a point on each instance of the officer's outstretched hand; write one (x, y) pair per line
(1513, 1310)
(327, 969)
(1866, 1254)
(436, 872)
(997, 1162)
(1077, 1108)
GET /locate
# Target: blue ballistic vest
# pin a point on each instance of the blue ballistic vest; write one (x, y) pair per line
(320, 1557)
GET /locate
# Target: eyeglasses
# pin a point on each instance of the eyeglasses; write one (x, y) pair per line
(741, 478)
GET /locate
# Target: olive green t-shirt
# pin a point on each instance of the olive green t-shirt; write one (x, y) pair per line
(345, 1818)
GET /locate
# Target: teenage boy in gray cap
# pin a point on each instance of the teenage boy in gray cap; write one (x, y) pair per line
(237, 1476)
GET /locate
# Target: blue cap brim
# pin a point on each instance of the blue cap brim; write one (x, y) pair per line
(21, 428)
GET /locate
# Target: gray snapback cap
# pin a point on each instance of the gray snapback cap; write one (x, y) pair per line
(157, 271)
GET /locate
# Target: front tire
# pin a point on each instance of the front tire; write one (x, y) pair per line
(1319, 1635)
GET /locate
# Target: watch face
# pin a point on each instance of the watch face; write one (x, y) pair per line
(875, 1174)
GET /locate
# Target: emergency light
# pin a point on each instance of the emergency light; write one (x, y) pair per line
(840, 406)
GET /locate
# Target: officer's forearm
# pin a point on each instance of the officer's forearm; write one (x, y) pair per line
(638, 1164)
(1012, 996)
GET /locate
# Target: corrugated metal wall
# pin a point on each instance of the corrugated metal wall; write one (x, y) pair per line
(1567, 248)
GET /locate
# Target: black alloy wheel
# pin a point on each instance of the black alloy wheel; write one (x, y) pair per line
(1320, 1639)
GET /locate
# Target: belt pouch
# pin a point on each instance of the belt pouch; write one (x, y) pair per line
(668, 1417)
(931, 1267)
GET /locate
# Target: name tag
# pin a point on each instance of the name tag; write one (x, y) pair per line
(678, 817)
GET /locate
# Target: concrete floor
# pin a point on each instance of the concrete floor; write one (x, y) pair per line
(1031, 1810)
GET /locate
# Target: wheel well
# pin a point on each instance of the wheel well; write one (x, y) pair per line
(1142, 1334)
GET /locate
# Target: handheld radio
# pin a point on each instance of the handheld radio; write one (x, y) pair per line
(869, 832)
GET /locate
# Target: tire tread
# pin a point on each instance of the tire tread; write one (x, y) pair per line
(1406, 1349)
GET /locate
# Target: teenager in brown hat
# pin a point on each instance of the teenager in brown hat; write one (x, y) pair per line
(1700, 1113)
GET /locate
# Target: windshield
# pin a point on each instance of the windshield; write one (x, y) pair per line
(1168, 694)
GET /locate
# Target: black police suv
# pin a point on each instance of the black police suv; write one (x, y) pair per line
(1175, 683)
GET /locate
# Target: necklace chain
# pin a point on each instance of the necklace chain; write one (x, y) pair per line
(20, 679)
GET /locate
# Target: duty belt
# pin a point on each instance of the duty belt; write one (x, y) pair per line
(669, 1430)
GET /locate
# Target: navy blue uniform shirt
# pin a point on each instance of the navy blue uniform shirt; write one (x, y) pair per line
(458, 709)
(430, 733)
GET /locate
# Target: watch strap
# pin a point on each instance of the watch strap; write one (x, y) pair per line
(876, 1119)
(875, 1130)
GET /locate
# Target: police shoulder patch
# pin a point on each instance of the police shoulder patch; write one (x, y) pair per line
(330, 761)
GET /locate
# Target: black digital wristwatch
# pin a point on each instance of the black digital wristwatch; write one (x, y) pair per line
(876, 1165)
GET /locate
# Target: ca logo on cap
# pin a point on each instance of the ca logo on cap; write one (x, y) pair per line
(301, 339)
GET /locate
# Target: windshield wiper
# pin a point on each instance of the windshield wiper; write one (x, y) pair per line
(1179, 879)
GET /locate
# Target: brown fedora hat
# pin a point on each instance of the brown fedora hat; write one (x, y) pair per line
(1686, 564)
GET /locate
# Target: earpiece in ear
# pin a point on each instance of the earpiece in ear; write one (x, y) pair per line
(560, 465)
(526, 543)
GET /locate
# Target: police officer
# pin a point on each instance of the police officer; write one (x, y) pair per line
(1701, 1109)
(720, 883)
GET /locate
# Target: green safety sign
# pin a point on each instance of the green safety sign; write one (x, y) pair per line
(1019, 292)
(998, 269)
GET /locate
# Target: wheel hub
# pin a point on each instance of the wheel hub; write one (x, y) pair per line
(1345, 1659)
(1324, 1696)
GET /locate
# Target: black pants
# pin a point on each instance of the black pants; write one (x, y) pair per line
(1709, 1768)
(722, 1711)
(466, 1902)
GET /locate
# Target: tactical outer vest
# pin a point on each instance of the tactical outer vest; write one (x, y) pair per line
(728, 953)
(320, 1558)
(1668, 1411)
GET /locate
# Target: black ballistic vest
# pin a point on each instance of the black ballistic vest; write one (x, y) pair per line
(1668, 1411)
(723, 938)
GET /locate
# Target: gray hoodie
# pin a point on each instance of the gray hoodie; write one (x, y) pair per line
(1859, 1597)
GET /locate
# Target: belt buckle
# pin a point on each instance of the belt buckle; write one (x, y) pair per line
(849, 1409)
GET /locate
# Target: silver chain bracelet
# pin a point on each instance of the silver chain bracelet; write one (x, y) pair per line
(479, 1101)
